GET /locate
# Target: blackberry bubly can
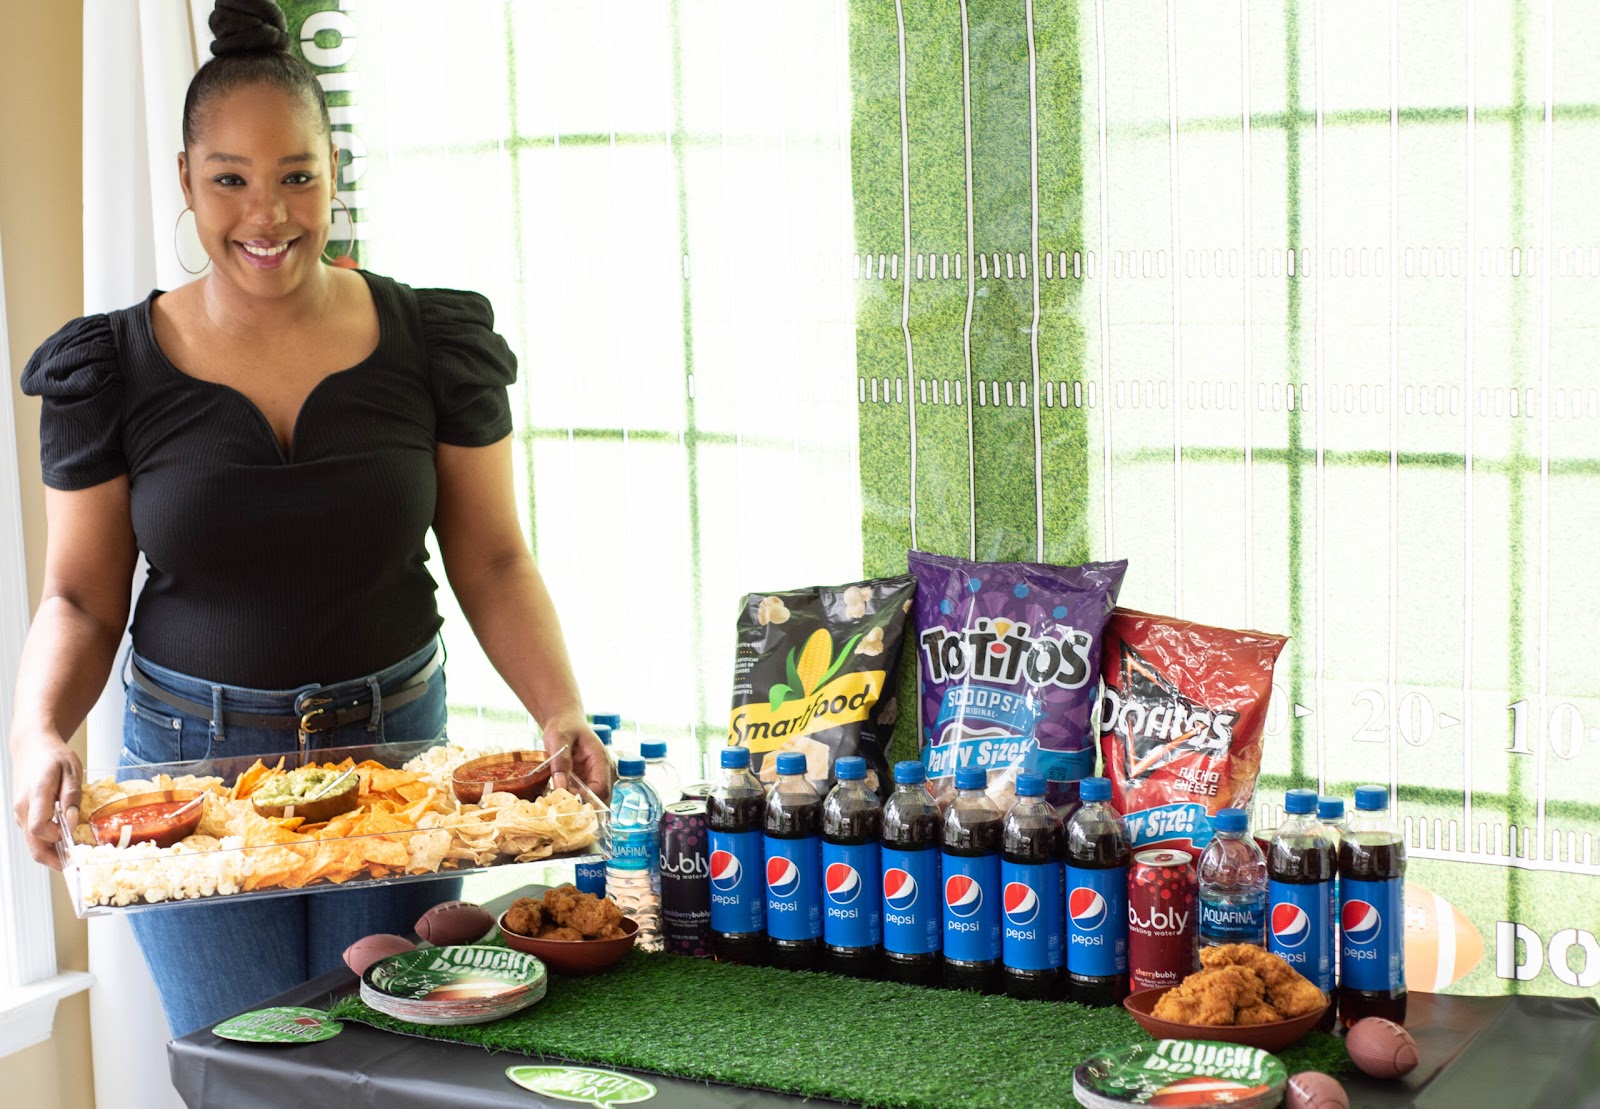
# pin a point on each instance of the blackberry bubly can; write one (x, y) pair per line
(685, 880)
(1163, 927)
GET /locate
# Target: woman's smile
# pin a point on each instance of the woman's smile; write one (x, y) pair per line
(265, 254)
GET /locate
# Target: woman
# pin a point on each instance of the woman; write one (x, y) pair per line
(277, 438)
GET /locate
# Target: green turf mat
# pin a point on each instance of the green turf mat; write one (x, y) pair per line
(878, 1043)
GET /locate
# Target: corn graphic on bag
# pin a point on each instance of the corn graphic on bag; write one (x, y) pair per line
(815, 672)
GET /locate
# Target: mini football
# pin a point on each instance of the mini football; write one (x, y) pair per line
(454, 922)
(1381, 1047)
(1312, 1089)
(369, 949)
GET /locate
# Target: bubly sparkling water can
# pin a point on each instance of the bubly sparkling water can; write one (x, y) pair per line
(1163, 922)
(685, 880)
(697, 791)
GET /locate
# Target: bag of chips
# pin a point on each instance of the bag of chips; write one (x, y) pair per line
(1180, 723)
(815, 672)
(1010, 662)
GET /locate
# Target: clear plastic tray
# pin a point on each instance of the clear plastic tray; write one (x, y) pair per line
(137, 877)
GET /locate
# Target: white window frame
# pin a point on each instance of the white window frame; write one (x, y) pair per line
(30, 982)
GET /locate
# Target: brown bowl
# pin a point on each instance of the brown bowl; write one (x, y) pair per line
(1268, 1037)
(574, 958)
(524, 774)
(150, 815)
(322, 809)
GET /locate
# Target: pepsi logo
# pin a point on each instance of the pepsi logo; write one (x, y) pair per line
(842, 883)
(1021, 903)
(899, 889)
(963, 895)
(1087, 909)
(1290, 925)
(1361, 921)
(725, 870)
(783, 877)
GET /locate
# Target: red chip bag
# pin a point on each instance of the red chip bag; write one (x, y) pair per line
(1180, 723)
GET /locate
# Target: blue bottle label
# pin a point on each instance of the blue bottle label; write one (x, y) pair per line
(1372, 954)
(635, 848)
(590, 878)
(1097, 921)
(852, 907)
(1233, 921)
(971, 908)
(1297, 929)
(911, 915)
(1031, 899)
(738, 893)
(794, 888)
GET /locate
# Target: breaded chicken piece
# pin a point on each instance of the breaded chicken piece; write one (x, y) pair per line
(593, 916)
(561, 932)
(1289, 992)
(1211, 996)
(559, 902)
(525, 916)
(1257, 1014)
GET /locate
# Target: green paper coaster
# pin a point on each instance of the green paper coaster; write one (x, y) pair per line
(284, 1025)
(584, 1085)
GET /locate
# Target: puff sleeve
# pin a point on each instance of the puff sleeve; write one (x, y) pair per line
(77, 373)
(470, 367)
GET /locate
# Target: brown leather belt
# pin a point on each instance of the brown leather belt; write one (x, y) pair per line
(324, 714)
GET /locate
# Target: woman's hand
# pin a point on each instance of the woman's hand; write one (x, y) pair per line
(46, 771)
(585, 755)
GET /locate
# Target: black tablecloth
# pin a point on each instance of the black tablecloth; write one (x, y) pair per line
(1490, 1052)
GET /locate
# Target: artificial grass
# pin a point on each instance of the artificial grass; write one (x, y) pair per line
(878, 1043)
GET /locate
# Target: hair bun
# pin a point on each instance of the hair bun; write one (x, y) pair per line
(248, 27)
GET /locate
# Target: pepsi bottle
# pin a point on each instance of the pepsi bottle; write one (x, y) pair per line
(1330, 814)
(971, 861)
(912, 832)
(794, 867)
(1097, 898)
(1372, 874)
(736, 813)
(1299, 876)
(852, 904)
(1033, 892)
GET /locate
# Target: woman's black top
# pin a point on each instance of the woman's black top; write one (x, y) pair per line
(268, 571)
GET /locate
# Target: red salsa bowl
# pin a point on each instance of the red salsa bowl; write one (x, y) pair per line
(159, 818)
(524, 774)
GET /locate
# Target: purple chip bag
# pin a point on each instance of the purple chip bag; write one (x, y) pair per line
(1009, 668)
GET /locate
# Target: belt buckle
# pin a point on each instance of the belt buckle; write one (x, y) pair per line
(310, 722)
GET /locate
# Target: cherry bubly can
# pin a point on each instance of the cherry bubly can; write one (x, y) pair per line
(1163, 926)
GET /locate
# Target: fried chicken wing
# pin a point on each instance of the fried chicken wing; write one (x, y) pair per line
(1261, 1013)
(1290, 993)
(525, 916)
(560, 932)
(1211, 996)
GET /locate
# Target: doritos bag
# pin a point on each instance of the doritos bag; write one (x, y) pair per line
(1010, 654)
(1180, 723)
(815, 672)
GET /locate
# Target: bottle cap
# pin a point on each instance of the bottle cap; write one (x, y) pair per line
(1299, 802)
(603, 731)
(909, 773)
(1233, 820)
(630, 766)
(971, 777)
(653, 749)
(1372, 799)
(612, 720)
(791, 762)
(1330, 808)
(851, 768)
(735, 758)
(1095, 789)
(1030, 785)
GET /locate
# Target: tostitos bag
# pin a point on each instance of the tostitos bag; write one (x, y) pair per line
(1010, 666)
(1181, 723)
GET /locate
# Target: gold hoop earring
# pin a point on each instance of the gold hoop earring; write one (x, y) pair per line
(178, 223)
(349, 244)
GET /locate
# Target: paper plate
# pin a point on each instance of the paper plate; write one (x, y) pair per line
(284, 1025)
(1176, 1073)
(468, 984)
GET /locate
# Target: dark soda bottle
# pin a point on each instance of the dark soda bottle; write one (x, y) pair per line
(1300, 870)
(793, 843)
(972, 835)
(736, 813)
(1033, 891)
(912, 924)
(1372, 874)
(1097, 854)
(852, 903)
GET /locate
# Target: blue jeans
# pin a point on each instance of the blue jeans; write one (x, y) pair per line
(211, 961)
